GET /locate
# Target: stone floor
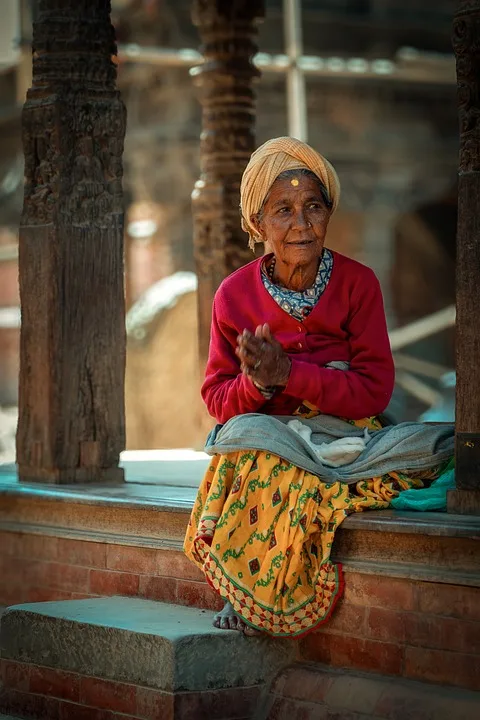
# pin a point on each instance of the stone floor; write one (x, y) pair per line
(165, 477)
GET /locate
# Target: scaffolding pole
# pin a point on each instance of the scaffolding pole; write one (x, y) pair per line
(296, 97)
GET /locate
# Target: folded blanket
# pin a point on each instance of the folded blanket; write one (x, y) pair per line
(406, 446)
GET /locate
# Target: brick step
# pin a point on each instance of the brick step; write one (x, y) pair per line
(59, 545)
(132, 659)
(313, 692)
(412, 581)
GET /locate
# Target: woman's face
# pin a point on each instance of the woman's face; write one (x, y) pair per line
(294, 220)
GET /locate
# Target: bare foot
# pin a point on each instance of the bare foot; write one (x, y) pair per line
(227, 619)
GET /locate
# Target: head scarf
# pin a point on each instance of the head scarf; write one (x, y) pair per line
(268, 162)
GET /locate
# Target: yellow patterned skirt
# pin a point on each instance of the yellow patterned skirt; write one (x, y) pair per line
(262, 529)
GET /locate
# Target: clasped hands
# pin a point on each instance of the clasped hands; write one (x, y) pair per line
(262, 357)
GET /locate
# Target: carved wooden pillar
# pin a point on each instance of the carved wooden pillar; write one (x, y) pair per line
(71, 415)
(228, 33)
(466, 43)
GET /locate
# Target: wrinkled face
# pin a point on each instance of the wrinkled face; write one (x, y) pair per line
(294, 220)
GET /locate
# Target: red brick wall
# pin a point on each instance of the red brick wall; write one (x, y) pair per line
(37, 568)
(42, 692)
(419, 630)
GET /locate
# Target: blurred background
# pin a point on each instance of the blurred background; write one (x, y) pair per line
(379, 101)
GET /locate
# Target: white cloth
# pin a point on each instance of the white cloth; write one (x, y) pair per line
(336, 453)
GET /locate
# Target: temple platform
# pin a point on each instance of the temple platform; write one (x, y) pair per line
(410, 609)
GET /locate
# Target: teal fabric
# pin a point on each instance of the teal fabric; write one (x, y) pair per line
(431, 498)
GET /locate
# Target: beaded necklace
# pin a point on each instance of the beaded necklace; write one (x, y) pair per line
(271, 270)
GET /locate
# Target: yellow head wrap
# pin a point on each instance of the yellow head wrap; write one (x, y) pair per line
(268, 162)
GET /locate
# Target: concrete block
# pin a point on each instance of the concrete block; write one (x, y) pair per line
(167, 647)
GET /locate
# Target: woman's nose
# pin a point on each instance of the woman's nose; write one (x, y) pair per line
(300, 220)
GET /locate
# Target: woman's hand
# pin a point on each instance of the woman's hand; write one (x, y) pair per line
(262, 357)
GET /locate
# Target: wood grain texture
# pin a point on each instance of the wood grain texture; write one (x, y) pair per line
(72, 357)
(228, 34)
(466, 44)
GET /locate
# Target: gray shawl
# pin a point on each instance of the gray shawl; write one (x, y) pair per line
(407, 446)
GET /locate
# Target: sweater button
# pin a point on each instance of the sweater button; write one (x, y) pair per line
(300, 345)
(299, 328)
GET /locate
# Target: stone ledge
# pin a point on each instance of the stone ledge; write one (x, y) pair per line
(376, 542)
(157, 645)
(418, 523)
(34, 504)
(18, 500)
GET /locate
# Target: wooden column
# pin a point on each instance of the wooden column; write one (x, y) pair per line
(466, 42)
(228, 34)
(71, 415)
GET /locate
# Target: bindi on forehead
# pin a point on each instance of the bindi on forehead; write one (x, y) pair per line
(301, 182)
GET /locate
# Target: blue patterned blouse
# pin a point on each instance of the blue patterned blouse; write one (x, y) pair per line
(299, 304)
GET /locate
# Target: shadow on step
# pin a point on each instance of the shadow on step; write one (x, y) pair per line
(314, 692)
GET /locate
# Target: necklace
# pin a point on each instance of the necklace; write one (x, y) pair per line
(271, 270)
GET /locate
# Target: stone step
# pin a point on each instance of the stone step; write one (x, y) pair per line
(148, 660)
(313, 692)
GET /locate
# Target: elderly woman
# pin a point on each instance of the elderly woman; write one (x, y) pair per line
(298, 335)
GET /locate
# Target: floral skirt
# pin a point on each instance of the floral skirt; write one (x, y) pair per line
(262, 530)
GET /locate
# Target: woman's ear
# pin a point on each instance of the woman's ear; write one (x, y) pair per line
(257, 224)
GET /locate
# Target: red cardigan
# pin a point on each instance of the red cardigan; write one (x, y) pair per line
(348, 323)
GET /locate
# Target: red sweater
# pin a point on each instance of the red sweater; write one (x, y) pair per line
(348, 323)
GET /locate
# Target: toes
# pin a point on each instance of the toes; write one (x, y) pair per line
(250, 631)
(224, 623)
(216, 621)
(232, 622)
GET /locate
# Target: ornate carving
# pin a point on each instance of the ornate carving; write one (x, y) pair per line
(73, 120)
(71, 249)
(228, 32)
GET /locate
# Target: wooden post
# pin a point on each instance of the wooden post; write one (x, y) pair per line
(466, 42)
(72, 365)
(228, 33)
